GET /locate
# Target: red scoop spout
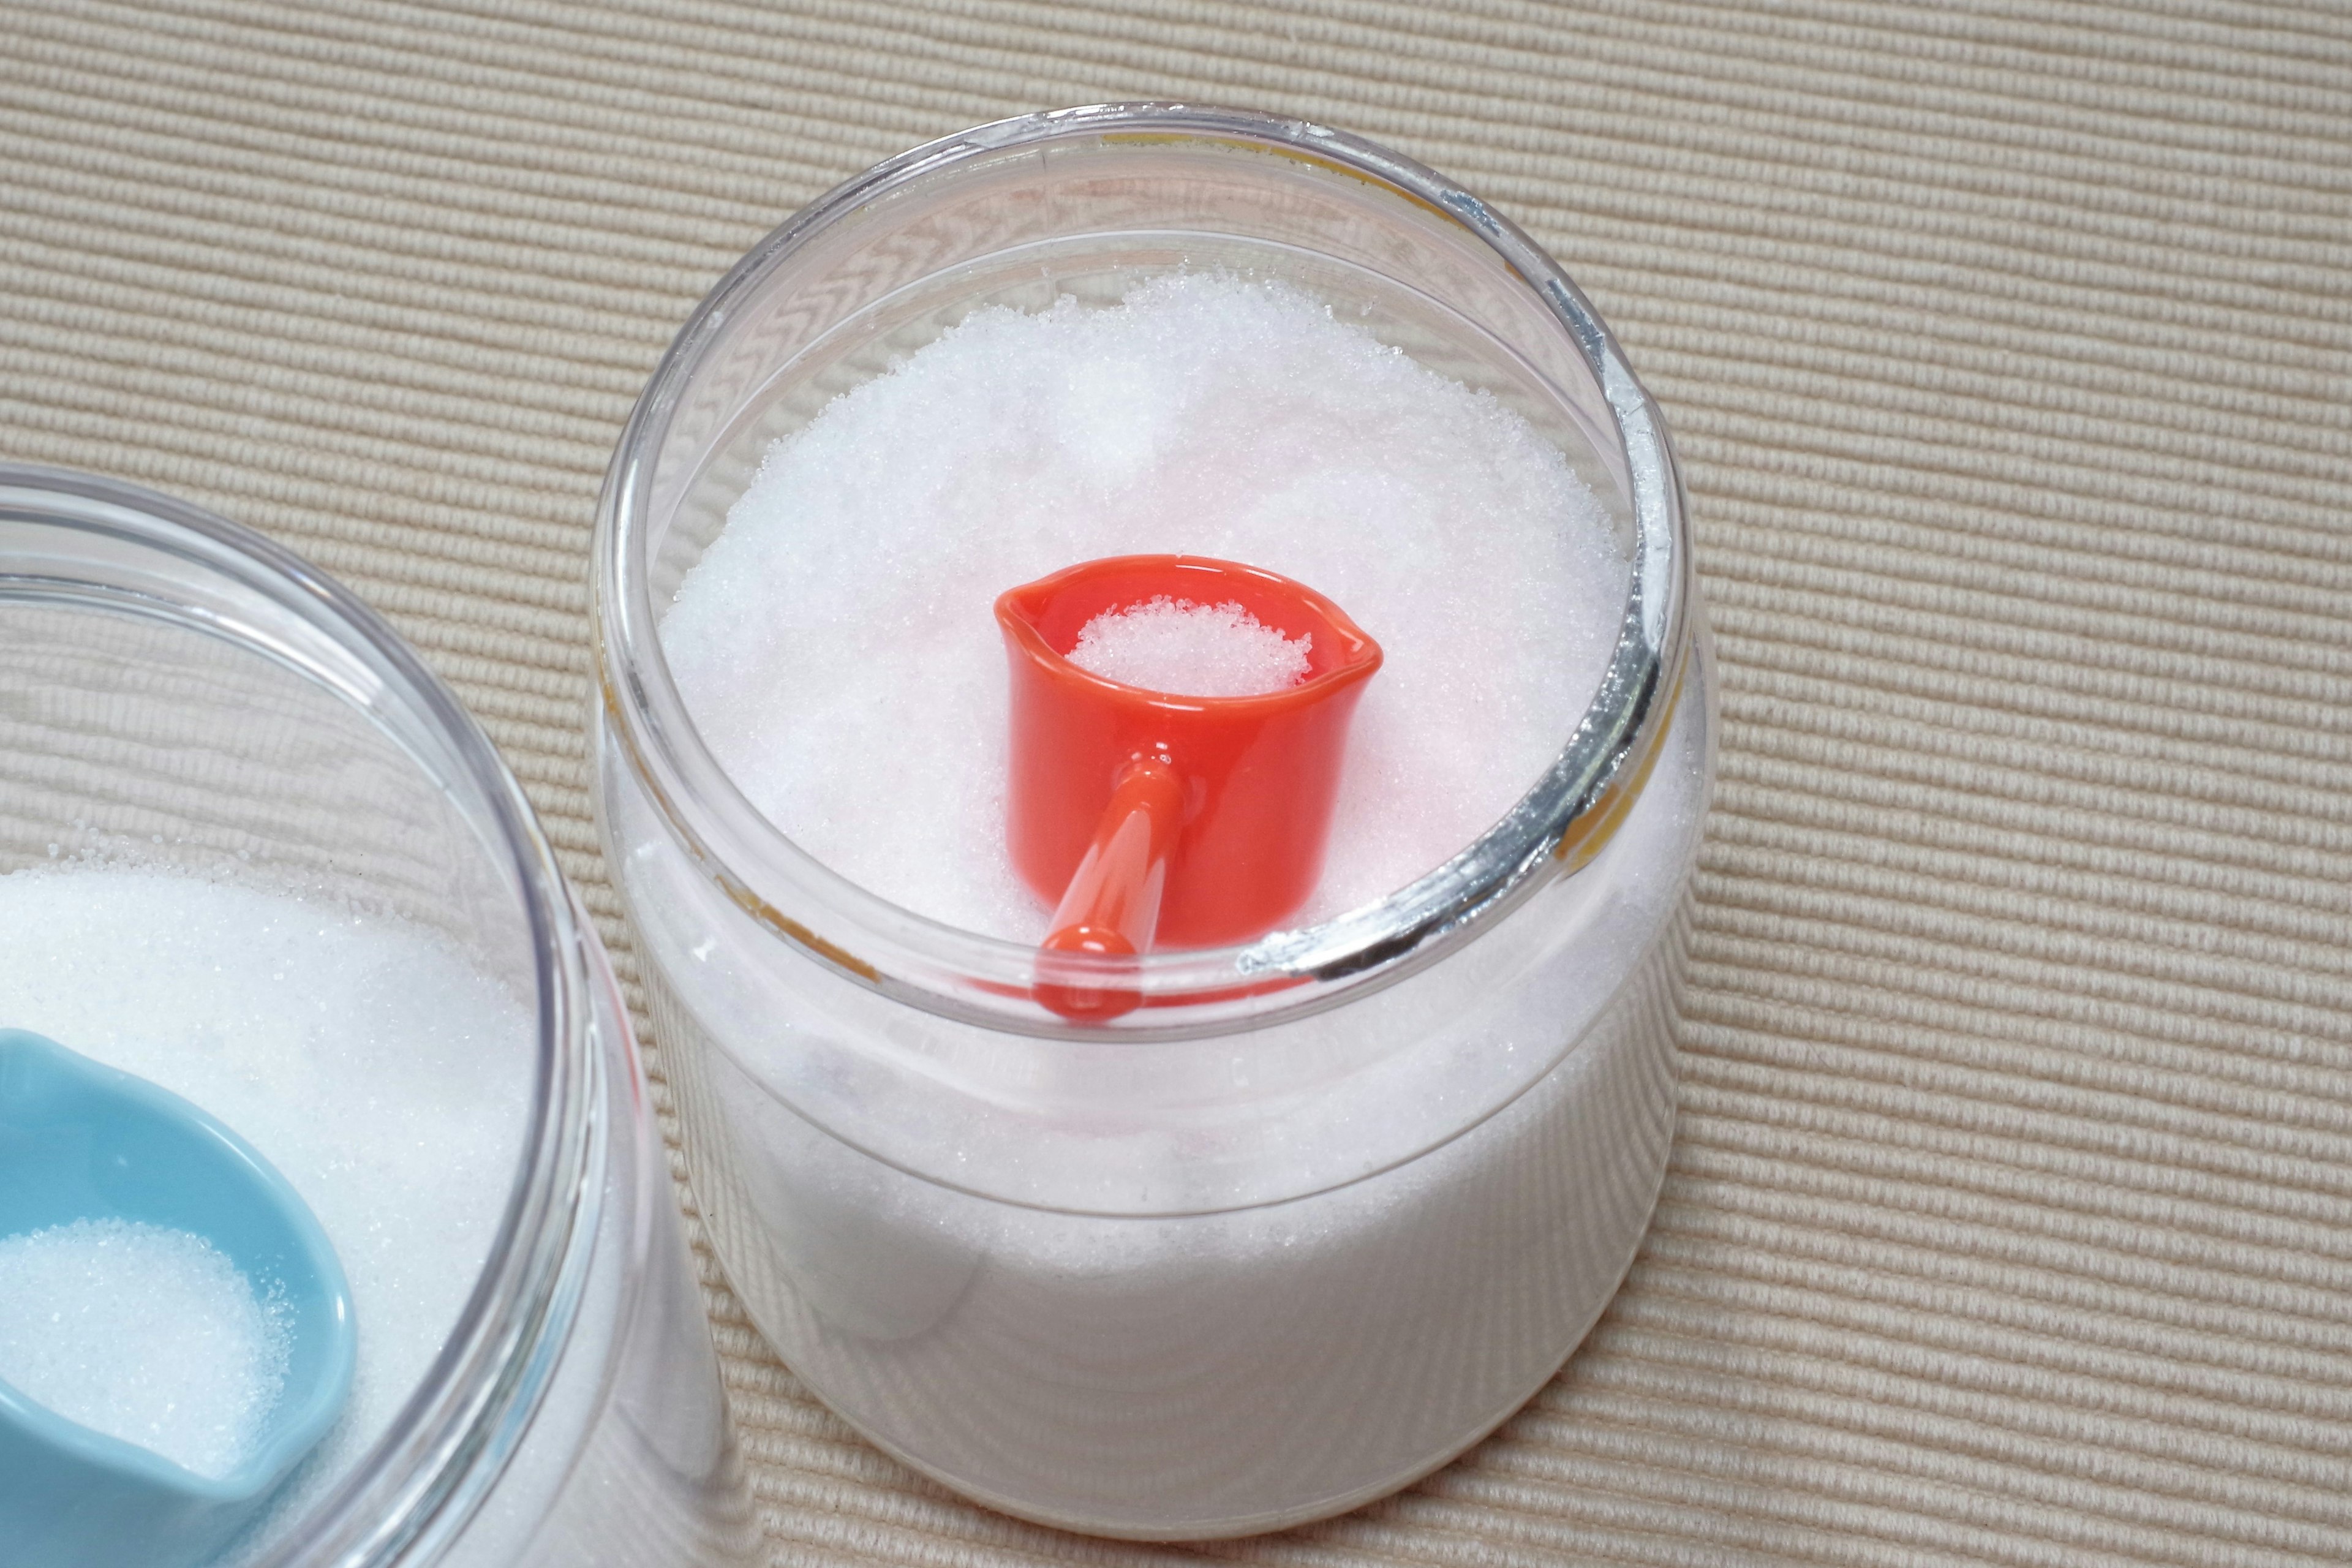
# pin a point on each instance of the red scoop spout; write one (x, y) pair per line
(1157, 818)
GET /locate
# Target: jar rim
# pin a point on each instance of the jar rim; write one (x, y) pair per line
(437, 1458)
(1553, 829)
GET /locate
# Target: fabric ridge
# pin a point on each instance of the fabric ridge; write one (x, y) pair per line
(2007, 353)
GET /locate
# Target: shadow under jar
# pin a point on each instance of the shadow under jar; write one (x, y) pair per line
(209, 748)
(1414, 1148)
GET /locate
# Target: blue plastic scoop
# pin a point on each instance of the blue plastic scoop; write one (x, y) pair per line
(82, 1141)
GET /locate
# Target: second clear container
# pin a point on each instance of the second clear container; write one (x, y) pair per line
(182, 704)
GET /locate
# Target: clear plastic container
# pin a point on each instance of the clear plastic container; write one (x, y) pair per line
(1326, 1207)
(177, 689)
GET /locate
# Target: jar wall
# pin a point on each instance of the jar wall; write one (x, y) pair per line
(630, 1461)
(1185, 1375)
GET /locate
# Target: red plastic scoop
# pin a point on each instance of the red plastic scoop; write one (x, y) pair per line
(1156, 817)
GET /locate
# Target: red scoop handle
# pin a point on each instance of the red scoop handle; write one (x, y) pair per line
(1111, 907)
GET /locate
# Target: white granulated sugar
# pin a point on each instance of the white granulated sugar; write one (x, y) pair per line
(1192, 650)
(837, 645)
(382, 1074)
(146, 1335)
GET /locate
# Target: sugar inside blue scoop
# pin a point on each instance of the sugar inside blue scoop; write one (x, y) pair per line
(108, 1178)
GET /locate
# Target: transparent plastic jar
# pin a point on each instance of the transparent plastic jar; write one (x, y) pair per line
(1328, 1207)
(176, 687)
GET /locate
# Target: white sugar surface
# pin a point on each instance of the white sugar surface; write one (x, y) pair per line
(1192, 650)
(836, 647)
(145, 1333)
(383, 1075)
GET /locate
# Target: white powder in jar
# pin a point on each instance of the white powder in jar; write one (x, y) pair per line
(836, 647)
(382, 1074)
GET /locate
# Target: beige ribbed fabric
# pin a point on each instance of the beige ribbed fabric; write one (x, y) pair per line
(2009, 348)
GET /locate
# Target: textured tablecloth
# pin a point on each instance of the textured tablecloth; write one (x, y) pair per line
(2009, 348)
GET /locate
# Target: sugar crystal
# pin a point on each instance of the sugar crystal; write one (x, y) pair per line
(1195, 650)
(144, 1333)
